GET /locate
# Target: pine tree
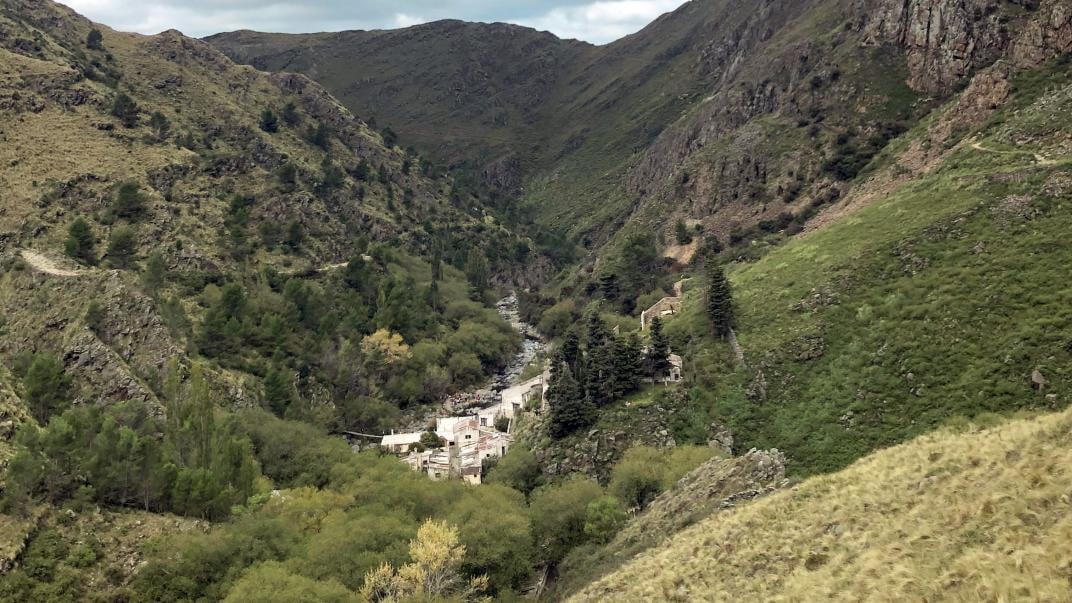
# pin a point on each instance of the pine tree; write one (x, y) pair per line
(571, 351)
(658, 352)
(129, 202)
(719, 301)
(126, 110)
(570, 408)
(160, 126)
(155, 272)
(95, 41)
(277, 391)
(598, 376)
(122, 247)
(608, 286)
(80, 242)
(269, 122)
(45, 386)
(628, 365)
(681, 233)
(290, 115)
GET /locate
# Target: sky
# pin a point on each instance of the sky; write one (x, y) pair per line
(599, 21)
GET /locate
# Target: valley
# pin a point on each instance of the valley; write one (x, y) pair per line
(765, 301)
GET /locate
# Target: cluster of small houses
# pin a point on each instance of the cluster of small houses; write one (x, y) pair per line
(468, 441)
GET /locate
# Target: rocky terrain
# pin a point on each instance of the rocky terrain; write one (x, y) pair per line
(721, 113)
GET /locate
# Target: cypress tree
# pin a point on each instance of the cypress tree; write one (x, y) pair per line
(719, 301)
(659, 351)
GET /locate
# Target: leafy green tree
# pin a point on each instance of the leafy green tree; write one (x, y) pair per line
(125, 110)
(603, 518)
(476, 270)
(80, 242)
(122, 246)
(95, 41)
(269, 122)
(129, 202)
(638, 477)
(493, 525)
(272, 582)
(45, 386)
(608, 286)
(465, 369)
(160, 126)
(719, 301)
(362, 171)
(659, 351)
(558, 513)
(519, 470)
(431, 440)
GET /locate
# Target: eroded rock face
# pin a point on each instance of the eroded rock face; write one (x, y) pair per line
(716, 485)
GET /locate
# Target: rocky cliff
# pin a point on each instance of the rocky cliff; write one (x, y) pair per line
(724, 113)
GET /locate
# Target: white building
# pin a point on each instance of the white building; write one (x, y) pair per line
(400, 443)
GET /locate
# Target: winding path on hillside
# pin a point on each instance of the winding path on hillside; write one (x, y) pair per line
(42, 263)
(1039, 158)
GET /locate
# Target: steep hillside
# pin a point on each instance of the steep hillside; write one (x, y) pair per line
(935, 299)
(462, 91)
(211, 212)
(315, 165)
(723, 114)
(979, 515)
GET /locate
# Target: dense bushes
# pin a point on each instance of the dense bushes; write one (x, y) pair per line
(200, 467)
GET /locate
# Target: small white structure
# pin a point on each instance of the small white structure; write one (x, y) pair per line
(400, 443)
(667, 306)
(472, 439)
(677, 366)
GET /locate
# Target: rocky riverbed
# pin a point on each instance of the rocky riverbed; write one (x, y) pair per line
(462, 403)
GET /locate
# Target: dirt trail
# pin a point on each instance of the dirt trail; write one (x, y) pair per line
(47, 265)
(1039, 159)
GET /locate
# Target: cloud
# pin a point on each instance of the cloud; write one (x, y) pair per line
(599, 21)
(602, 22)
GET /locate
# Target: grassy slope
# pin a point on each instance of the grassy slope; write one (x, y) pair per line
(973, 516)
(940, 300)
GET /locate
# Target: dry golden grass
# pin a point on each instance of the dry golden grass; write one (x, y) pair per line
(980, 516)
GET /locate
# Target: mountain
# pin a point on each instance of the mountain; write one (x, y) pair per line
(721, 113)
(850, 217)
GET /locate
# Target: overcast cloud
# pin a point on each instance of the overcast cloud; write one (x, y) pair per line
(595, 21)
